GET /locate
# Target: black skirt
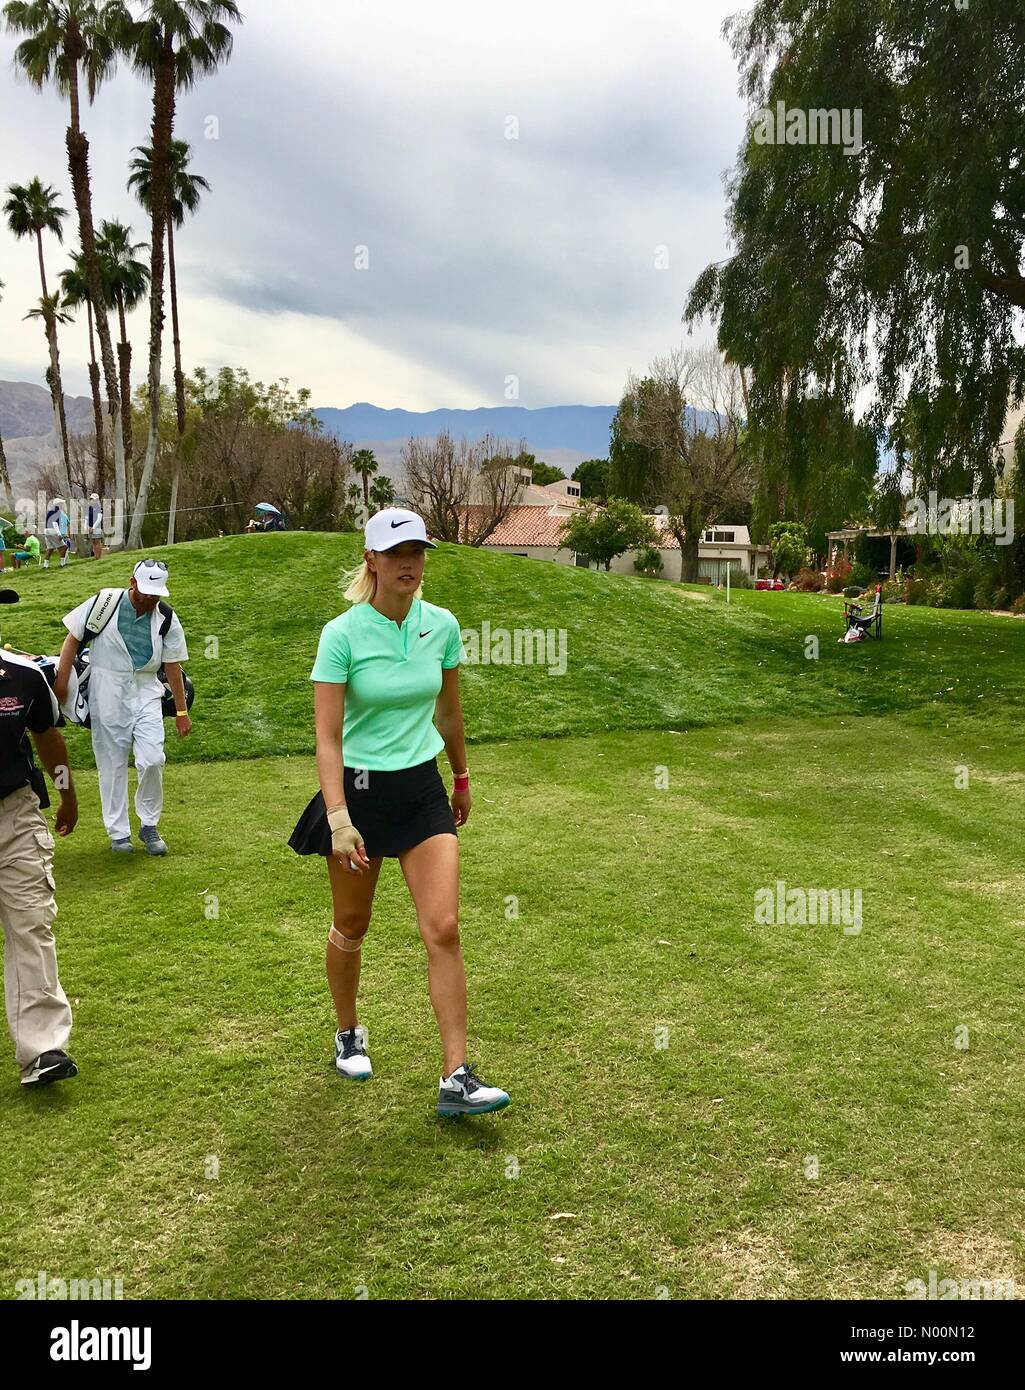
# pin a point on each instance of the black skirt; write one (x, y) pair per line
(393, 811)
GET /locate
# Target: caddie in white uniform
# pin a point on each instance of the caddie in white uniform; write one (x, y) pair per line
(125, 699)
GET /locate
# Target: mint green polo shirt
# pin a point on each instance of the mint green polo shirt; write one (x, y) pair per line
(392, 677)
(137, 631)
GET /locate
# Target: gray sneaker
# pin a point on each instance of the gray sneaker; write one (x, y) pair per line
(464, 1093)
(122, 846)
(150, 837)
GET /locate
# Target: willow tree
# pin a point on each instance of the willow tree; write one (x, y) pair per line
(173, 44)
(877, 219)
(66, 38)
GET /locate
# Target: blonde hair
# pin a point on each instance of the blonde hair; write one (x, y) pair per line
(359, 585)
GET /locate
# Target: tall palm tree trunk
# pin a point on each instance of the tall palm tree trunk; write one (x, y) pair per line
(6, 496)
(179, 376)
(78, 166)
(53, 377)
(179, 382)
(124, 358)
(163, 131)
(94, 386)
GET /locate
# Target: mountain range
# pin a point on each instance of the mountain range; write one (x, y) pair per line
(562, 435)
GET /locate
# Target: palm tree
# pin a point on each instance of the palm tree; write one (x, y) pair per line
(63, 38)
(382, 493)
(365, 464)
(125, 281)
(173, 44)
(184, 192)
(52, 313)
(32, 209)
(6, 496)
(75, 289)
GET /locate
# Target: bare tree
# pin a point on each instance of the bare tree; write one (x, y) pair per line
(691, 416)
(463, 491)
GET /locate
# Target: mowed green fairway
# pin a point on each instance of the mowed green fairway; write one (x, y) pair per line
(677, 1069)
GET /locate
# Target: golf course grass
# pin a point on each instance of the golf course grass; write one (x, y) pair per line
(704, 1106)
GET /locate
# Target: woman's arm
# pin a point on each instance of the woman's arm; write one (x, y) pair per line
(329, 713)
(448, 716)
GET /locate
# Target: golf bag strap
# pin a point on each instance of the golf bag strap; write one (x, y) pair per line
(105, 605)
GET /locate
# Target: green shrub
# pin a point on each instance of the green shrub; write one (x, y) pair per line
(893, 591)
(861, 574)
(1001, 598)
(740, 579)
(983, 596)
(852, 591)
(1018, 606)
(916, 591)
(649, 561)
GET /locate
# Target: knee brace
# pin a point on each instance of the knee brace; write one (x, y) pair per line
(344, 943)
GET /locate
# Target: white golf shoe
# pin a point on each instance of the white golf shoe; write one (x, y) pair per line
(351, 1058)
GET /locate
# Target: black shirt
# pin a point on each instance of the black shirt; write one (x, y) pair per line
(26, 703)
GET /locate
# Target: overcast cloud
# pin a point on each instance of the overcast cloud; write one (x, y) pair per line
(383, 125)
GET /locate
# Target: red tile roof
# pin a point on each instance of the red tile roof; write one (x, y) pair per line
(526, 526)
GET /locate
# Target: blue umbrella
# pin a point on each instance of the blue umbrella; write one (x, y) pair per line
(266, 507)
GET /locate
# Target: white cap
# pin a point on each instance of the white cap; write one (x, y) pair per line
(393, 526)
(151, 577)
(94, 497)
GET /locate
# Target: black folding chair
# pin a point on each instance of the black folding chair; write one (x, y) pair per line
(869, 624)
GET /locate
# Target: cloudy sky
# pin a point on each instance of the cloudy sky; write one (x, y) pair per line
(385, 125)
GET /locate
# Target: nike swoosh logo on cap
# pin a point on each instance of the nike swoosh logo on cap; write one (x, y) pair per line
(400, 523)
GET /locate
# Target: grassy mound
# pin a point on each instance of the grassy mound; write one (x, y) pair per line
(639, 654)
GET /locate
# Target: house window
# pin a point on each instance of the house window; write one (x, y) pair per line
(721, 537)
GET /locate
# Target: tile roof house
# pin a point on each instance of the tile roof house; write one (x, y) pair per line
(533, 529)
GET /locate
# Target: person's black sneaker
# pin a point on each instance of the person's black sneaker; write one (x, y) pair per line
(51, 1066)
(464, 1093)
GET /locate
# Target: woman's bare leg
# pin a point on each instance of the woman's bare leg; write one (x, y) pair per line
(431, 871)
(353, 898)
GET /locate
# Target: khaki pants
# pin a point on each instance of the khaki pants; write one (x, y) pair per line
(38, 1013)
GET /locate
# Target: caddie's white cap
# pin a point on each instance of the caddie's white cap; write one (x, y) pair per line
(151, 577)
(393, 526)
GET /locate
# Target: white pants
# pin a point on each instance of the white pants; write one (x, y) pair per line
(140, 728)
